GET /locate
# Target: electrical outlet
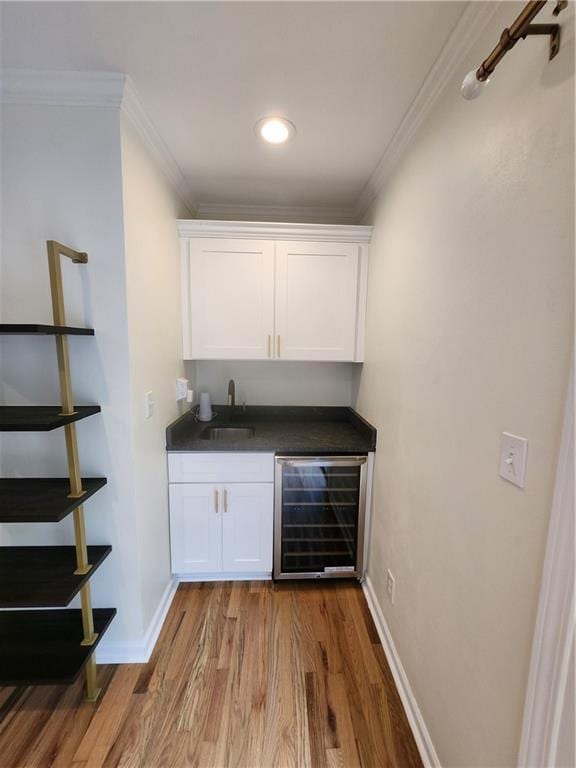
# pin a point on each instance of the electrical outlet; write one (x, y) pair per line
(148, 405)
(390, 586)
(181, 389)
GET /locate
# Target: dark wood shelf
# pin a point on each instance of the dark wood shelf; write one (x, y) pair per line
(37, 577)
(31, 329)
(40, 418)
(43, 647)
(41, 499)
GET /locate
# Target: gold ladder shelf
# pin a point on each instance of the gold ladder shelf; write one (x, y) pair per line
(55, 250)
(47, 647)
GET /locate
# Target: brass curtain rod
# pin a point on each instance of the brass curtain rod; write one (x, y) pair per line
(476, 80)
(519, 29)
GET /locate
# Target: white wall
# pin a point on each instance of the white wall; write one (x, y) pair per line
(275, 383)
(62, 180)
(469, 334)
(82, 176)
(153, 285)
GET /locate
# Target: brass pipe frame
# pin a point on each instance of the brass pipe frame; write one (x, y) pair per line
(92, 689)
(55, 250)
(518, 30)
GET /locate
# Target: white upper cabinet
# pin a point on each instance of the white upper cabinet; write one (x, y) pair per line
(316, 300)
(253, 291)
(231, 308)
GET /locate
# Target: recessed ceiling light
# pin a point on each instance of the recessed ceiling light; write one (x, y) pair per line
(275, 130)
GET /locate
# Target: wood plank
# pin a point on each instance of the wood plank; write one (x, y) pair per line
(32, 711)
(33, 329)
(108, 719)
(334, 758)
(243, 676)
(69, 720)
(42, 499)
(44, 576)
(44, 647)
(40, 418)
(318, 756)
(338, 703)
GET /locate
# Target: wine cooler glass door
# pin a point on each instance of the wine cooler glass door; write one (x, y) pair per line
(319, 525)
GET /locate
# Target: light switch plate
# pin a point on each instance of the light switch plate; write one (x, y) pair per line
(513, 453)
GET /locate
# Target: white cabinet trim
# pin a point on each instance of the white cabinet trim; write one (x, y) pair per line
(260, 230)
(553, 643)
(223, 576)
(205, 231)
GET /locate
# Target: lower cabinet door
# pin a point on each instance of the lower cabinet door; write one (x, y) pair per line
(247, 529)
(196, 528)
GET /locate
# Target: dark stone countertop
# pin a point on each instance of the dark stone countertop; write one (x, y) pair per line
(302, 430)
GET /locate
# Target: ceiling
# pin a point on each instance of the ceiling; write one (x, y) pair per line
(345, 73)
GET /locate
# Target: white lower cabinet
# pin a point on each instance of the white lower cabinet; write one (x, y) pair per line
(221, 528)
(195, 528)
(247, 527)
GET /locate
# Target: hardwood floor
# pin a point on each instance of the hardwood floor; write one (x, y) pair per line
(245, 674)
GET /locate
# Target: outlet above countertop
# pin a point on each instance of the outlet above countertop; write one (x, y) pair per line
(307, 430)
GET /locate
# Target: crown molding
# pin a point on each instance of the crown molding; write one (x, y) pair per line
(263, 230)
(287, 213)
(95, 89)
(133, 109)
(468, 28)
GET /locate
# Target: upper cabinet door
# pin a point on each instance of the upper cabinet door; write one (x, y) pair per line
(317, 288)
(231, 306)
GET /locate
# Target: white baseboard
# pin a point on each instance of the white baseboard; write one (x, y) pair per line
(139, 653)
(415, 719)
(188, 577)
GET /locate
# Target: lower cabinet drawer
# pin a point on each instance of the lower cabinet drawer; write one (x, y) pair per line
(221, 467)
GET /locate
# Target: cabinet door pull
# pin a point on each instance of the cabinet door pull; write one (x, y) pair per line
(278, 346)
(225, 500)
(216, 500)
(269, 344)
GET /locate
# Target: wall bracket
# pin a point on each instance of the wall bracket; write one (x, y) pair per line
(546, 29)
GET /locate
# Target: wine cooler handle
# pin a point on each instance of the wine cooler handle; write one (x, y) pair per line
(332, 461)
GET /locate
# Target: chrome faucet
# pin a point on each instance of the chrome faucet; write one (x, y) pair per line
(231, 394)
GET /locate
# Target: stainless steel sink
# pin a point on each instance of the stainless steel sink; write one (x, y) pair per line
(227, 433)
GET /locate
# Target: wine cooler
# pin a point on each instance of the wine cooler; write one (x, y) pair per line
(319, 516)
